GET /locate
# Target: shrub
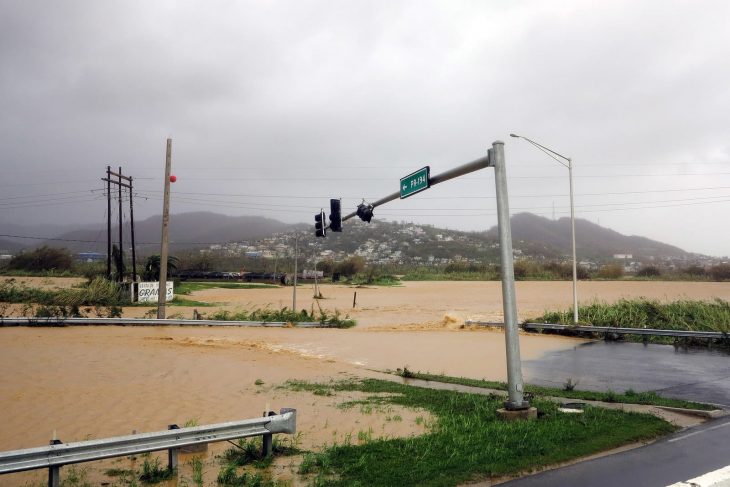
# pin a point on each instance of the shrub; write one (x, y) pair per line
(720, 272)
(611, 271)
(42, 259)
(351, 266)
(649, 271)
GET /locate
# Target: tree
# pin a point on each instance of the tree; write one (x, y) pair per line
(152, 267)
(43, 259)
(720, 272)
(611, 271)
(649, 271)
(351, 266)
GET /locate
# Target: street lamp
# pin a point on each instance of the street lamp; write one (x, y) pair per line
(569, 165)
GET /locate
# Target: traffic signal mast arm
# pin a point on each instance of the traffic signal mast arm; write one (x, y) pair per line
(467, 168)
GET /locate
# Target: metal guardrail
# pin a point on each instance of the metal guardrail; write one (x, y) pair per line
(22, 321)
(610, 329)
(626, 331)
(58, 454)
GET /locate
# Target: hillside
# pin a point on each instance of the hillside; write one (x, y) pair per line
(533, 236)
(538, 235)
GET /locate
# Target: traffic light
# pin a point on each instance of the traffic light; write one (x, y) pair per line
(335, 216)
(320, 229)
(365, 212)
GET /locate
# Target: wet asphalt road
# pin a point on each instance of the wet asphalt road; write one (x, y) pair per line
(679, 457)
(693, 374)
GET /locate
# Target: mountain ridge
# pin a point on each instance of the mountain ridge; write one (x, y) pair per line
(532, 235)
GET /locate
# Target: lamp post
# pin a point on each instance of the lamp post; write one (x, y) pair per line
(569, 165)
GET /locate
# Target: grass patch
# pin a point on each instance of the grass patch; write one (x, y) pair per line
(286, 315)
(467, 442)
(153, 472)
(188, 287)
(569, 391)
(684, 315)
(248, 453)
(178, 301)
(382, 280)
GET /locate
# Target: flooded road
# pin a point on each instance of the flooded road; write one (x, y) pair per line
(105, 381)
(97, 382)
(693, 374)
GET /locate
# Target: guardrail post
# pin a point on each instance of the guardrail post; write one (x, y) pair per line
(54, 472)
(172, 452)
(268, 439)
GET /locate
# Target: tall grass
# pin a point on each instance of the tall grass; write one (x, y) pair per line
(286, 315)
(98, 292)
(687, 315)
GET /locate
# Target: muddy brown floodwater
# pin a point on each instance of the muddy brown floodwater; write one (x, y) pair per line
(95, 382)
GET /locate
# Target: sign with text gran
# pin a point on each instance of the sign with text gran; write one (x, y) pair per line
(147, 292)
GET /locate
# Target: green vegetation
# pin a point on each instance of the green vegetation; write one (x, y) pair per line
(568, 391)
(196, 465)
(286, 315)
(246, 454)
(42, 259)
(75, 476)
(466, 441)
(152, 267)
(188, 286)
(645, 313)
(178, 301)
(98, 292)
(153, 472)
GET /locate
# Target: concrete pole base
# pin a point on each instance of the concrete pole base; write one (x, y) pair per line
(517, 415)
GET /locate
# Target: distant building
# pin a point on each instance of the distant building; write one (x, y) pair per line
(91, 257)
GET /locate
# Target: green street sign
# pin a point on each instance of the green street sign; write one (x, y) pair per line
(415, 182)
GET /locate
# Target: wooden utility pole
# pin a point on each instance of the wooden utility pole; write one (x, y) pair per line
(108, 223)
(162, 292)
(294, 289)
(118, 181)
(131, 226)
(120, 264)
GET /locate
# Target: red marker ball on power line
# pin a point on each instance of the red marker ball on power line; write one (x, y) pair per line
(173, 178)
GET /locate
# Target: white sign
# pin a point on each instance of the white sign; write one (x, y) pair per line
(307, 274)
(147, 292)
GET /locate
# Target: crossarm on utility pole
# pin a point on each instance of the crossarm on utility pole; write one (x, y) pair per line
(467, 168)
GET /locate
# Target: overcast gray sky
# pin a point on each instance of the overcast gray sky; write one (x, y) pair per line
(276, 106)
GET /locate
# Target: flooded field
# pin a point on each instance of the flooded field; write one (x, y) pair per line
(94, 382)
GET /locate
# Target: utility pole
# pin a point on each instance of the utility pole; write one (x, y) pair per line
(120, 265)
(108, 223)
(316, 289)
(162, 291)
(296, 257)
(131, 224)
(119, 182)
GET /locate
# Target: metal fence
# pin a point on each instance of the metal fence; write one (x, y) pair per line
(58, 454)
(55, 321)
(608, 329)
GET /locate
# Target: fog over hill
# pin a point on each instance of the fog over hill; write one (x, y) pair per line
(533, 235)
